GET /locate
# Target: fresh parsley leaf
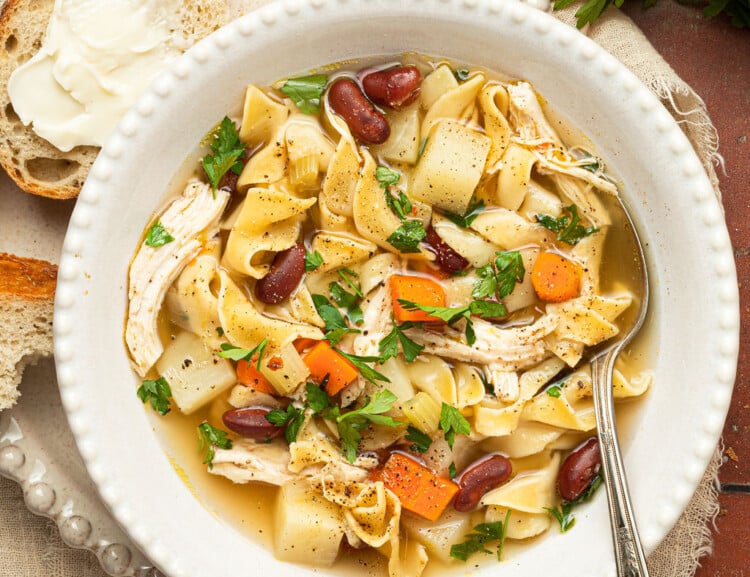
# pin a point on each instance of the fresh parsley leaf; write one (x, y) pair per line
(461, 74)
(158, 392)
(590, 490)
(388, 346)
(227, 152)
(313, 260)
(346, 275)
(209, 438)
(483, 533)
(364, 369)
(465, 220)
(484, 309)
(420, 441)
(220, 331)
(406, 238)
(400, 205)
(317, 399)
(564, 516)
(237, 353)
(452, 470)
(387, 176)
(554, 390)
(158, 236)
(499, 279)
(567, 227)
(351, 423)
(453, 423)
(510, 270)
(306, 91)
(348, 301)
(486, 285)
(292, 418)
(336, 326)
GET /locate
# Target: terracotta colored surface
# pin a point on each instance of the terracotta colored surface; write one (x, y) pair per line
(714, 58)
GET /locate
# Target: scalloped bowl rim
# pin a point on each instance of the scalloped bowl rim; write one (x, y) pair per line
(674, 206)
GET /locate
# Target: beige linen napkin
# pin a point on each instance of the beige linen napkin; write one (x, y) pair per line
(31, 547)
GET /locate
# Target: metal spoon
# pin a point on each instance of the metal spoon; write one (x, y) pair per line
(631, 562)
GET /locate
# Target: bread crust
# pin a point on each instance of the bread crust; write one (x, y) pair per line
(27, 279)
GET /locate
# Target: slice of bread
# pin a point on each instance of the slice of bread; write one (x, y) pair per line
(27, 289)
(32, 162)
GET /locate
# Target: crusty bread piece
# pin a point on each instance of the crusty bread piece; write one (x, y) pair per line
(27, 289)
(36, 165)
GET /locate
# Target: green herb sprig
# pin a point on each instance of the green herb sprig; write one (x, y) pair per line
(306, 91)
(483, 534)
(158, 236)
(238, 353)
(451, 315)
(568, 227)
(227, 152)
(209, 438)
(158, 392)
(388, 346)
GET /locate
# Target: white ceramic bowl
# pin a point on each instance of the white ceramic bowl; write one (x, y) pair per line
(694, 320)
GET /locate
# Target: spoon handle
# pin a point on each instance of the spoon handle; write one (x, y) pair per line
(631, 562)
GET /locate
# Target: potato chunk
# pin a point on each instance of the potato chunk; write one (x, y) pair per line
(308, 528)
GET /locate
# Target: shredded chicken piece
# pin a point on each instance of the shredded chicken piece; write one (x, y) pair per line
(509, 349)
(248, 461)
(154, 269)
(376, 311)
(527, 116)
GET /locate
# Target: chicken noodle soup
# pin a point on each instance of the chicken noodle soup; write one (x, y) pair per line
(378, 294)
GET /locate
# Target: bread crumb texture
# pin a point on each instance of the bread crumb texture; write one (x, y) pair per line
(27, 288)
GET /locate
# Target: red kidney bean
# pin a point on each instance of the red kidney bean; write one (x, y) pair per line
(394, 87)
(480, 477)
(251, 422)
(365, 122)
(286, 271)
(579, 469)
(446, 258)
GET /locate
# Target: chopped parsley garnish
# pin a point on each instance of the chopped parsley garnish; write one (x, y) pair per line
(227, 153)
(157, 235)
(406, 238)
(465, 220)
(451, 315)
(313, 260)
(452, 470)
(220, 331)
(483, 534)
(567, 227)
(158, 392)
(306, 91)
(351, 423)
(401, 205)
(554, 390)
(348, 301)
(365, 370)
(499, 279)
(388, 347)
(237, 353)
(564, 516)
(336, 326)
(209, 438)
(292, 418)
(347, 275)
(420, 441)
(387, 176)
(453, 423)
(461, 74)
(422, 144)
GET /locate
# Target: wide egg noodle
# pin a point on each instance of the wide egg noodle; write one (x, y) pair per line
(509, 230)
(267, 165)
(493, 102)
(270, 221)
(514, 177)
(521, 524)
(434, 376)
(465, 242)
(455, 104)
(304, 137)
(245, 326)
(261, 117)
(531, 491)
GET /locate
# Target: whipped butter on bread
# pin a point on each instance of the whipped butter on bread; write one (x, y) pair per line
(96, 59)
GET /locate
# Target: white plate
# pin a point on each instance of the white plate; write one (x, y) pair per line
(694, 317)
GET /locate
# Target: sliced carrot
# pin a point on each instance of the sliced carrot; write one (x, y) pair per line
(555, 278)
(302, 344)
(248, 375)
(418, 488)
(324, 362)
(417, 289)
